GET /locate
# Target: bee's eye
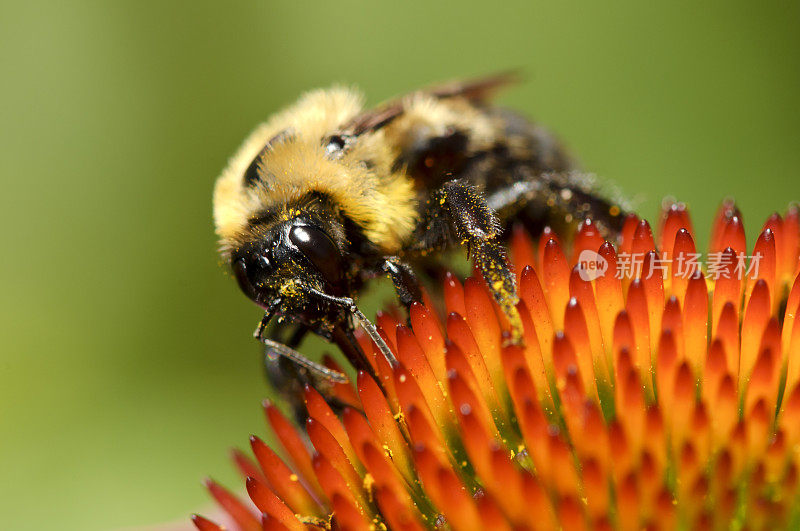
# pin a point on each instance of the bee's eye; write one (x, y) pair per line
(320, 250)
(240, 272)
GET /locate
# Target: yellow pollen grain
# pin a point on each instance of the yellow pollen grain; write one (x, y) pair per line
(315, 522)
(614, 210)
(369, 483)
(293, 477)
(387, 451)
(442, 388)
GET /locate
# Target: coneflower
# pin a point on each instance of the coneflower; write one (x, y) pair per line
(656, 389)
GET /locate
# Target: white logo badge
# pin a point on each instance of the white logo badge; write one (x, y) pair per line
(591, 265)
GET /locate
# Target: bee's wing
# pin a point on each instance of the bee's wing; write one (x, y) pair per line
(477, 90)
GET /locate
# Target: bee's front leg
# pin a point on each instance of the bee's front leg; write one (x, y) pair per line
(283, 362)
(404, 280)
(459, 210)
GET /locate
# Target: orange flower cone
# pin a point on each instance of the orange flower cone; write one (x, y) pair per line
(656, 389)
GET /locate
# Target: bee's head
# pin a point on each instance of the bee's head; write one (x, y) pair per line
(286, 259)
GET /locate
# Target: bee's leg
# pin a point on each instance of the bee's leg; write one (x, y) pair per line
(560, 200)
(282, 360)
(288, 371)
(284, 377)
(458, 209)
(343, 333)
(405, 281)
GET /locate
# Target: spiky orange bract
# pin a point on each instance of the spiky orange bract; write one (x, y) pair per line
(637, 402)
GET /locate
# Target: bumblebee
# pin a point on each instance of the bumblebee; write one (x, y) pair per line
(327, 195)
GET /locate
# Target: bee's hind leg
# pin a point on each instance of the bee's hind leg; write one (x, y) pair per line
(459, 210)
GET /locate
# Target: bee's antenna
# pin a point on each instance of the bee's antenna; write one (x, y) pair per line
(366, 324)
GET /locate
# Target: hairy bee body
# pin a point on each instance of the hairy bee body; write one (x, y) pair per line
(327, 194)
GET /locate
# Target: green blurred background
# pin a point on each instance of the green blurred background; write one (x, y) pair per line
(127, 367)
